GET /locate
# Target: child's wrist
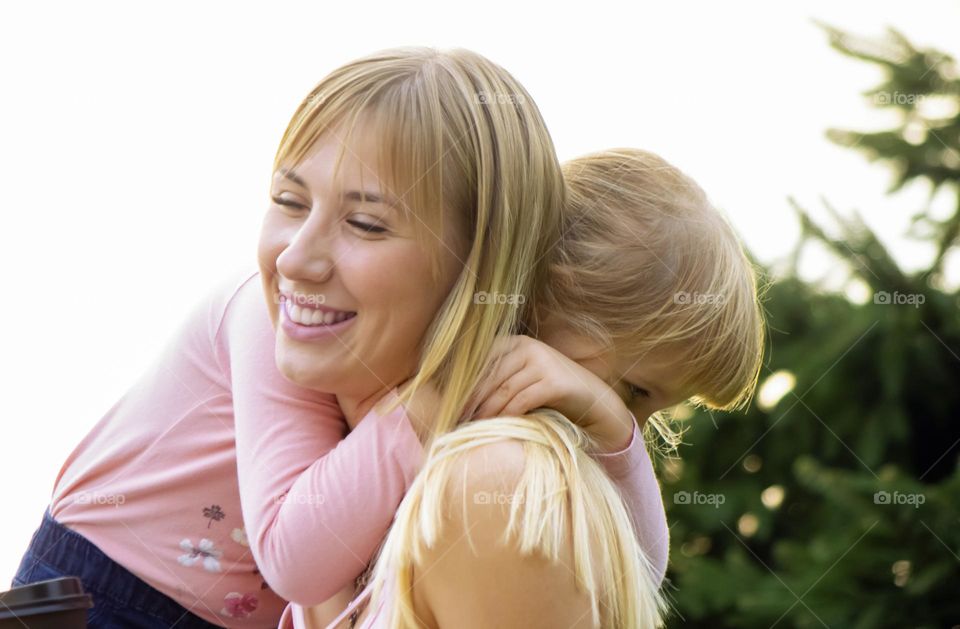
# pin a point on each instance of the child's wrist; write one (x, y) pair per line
(617, 425)
(617, 441)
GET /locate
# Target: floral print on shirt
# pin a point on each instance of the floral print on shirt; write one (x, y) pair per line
(236, 605)
(213, 512)
(205, 551)
(240, 537)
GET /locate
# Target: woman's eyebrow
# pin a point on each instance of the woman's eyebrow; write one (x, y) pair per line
(367, 196)
(294, 177)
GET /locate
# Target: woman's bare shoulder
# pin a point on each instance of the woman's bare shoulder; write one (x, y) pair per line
(474, 576)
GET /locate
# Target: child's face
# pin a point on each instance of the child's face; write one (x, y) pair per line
(647, 385)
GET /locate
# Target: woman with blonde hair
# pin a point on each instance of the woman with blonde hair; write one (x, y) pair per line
(406, 184)
(466, 328)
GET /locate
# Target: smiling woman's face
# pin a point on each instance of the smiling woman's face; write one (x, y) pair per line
(347, 282)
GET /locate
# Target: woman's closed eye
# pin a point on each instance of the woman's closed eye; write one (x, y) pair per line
(289, 203)
(362, 226)
(367, 228)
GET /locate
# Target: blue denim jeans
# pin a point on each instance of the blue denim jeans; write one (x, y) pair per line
(120, 599)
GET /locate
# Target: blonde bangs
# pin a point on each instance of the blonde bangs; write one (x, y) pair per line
(407, 122)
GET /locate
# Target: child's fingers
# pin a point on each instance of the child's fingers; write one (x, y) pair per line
(507, 365)
(533, 396)
(494, 404)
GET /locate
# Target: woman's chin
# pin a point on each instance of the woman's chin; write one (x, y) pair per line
(308, 373)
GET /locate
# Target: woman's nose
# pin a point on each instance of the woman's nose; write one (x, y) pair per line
(309, 254)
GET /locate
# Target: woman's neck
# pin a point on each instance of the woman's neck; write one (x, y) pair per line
(422, 408)
(355, 408)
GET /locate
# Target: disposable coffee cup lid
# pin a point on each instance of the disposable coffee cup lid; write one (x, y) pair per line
(61, 594)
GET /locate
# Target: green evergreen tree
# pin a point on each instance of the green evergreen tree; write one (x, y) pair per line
(839, 506)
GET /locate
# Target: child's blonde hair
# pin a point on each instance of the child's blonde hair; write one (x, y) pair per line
(647, 262)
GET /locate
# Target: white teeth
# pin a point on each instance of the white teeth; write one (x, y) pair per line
(310, 316)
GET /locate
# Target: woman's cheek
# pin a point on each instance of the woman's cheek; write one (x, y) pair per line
(382, 272)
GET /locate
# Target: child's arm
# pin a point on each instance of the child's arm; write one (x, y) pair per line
(534, 375)
(632, 471)
(315, 504)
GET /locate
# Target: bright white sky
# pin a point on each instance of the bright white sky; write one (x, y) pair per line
(136, 144)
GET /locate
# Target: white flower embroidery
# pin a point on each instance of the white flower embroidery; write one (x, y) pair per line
(204, 550)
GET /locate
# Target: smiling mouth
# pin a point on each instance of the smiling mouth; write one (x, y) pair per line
(314, 315)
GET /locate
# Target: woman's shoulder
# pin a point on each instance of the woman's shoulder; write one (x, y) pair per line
(477, 575)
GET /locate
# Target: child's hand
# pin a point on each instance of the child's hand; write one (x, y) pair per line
(532, 374)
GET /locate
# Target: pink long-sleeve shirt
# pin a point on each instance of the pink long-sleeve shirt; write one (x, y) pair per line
(232, 490)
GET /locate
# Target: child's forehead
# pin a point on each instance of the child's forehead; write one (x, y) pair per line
(663, 357)
(662, 367)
